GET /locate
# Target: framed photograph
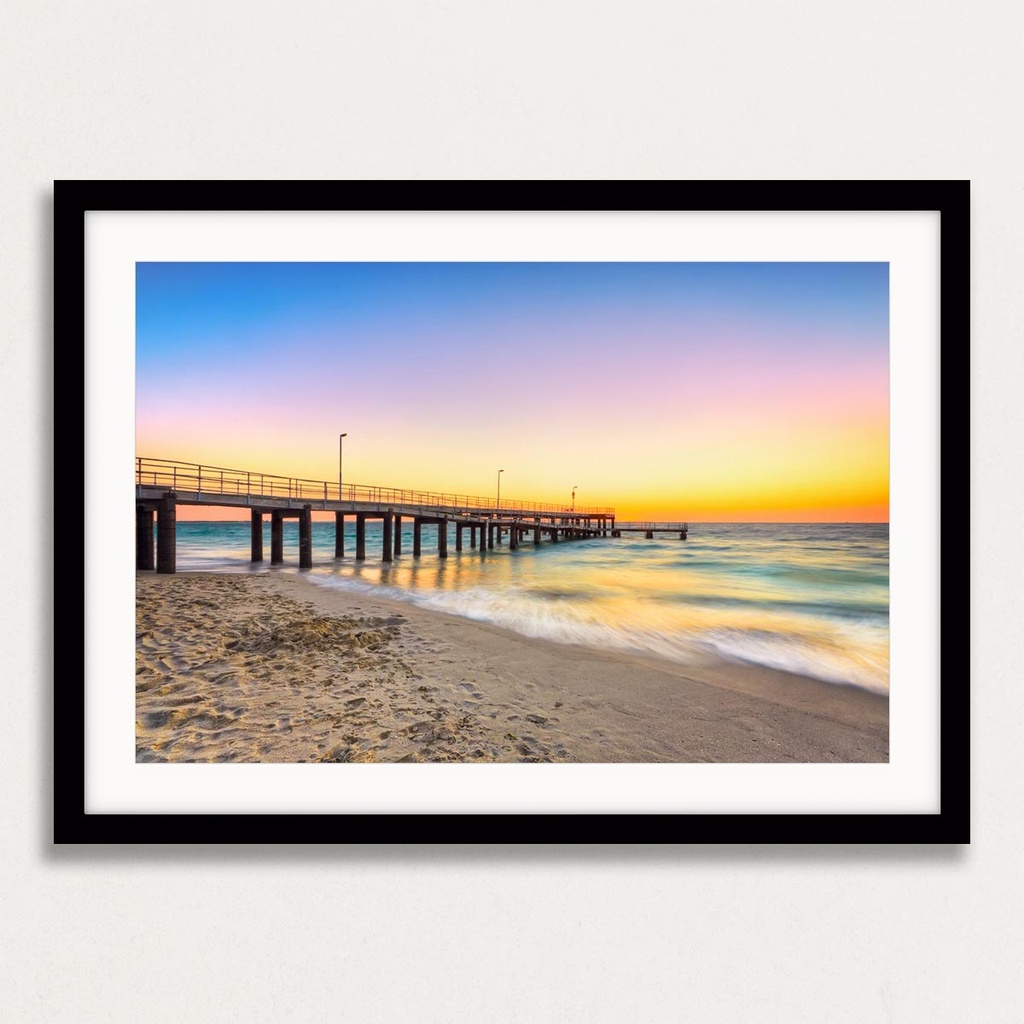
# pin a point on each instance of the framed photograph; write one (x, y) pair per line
(596, 505)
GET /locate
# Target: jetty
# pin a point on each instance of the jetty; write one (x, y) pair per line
(161, 485)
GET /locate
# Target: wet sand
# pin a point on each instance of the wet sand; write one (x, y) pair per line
(270, 667)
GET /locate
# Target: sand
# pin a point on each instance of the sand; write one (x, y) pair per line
(271, 667)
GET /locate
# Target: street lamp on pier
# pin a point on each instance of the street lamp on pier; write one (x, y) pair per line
(341, 438)
(574, 497)
(498, 502)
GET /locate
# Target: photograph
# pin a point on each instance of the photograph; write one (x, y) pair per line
(507, 511)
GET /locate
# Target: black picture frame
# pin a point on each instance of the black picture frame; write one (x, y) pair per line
(74, 200)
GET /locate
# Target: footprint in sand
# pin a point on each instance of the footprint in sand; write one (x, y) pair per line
(155, 719)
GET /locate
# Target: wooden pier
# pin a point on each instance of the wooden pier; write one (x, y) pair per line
(162, 485)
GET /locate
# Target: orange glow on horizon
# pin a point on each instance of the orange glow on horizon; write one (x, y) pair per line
(751, 469)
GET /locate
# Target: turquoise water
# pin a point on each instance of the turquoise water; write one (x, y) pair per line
(812, 599)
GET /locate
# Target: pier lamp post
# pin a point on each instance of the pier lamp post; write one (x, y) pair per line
(341, 438)
(574, 497)
(497, 504)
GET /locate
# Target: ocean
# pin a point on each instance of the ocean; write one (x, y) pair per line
(806, 598)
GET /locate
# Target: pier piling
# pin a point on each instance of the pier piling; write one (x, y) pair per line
(417, 537)
(442, 538)
(398, 535)
(144, 550)
(387, 554)
(360, 537)
(458, 536)
(166, 529)
(256, 536)
(339, 534)
(276, 538)
(305, 537)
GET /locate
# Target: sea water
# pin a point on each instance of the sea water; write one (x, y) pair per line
(806, 598)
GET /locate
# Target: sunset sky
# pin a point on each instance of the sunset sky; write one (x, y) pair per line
(699, 391)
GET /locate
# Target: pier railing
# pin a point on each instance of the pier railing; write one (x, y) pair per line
(218, 480)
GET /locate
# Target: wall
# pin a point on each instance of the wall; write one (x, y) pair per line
(117, 89)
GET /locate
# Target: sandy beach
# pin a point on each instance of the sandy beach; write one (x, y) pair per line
(270, 667)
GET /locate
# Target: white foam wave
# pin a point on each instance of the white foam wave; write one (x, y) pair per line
(851, 654)
(821, 659)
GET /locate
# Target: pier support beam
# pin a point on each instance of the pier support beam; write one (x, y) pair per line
(536, 535)
(144, 550)
(649, 535)
(389, 522)
(276, 538)
(256, 536)
(339, 535)
(360, 537)
(305, 538)
(166, 535)
(458, 536)
(472, 537)
(513, 538)
(490, 536)
(417, 537)
(398, 535)
(442, 538)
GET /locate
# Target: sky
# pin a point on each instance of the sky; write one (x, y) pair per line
(693, 391)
